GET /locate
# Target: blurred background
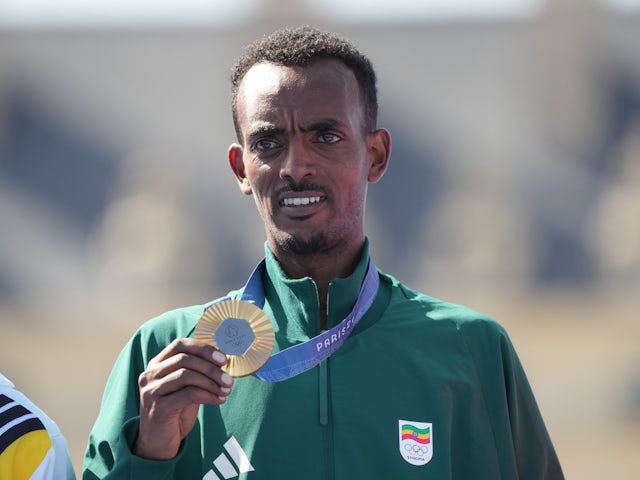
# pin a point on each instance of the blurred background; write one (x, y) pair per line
(514, 186)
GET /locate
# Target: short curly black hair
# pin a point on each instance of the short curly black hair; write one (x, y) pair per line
(300, 46)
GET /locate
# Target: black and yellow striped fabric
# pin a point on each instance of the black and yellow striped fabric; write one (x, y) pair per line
(24, 441)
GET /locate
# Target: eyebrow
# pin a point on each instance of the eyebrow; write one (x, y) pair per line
(263, 130)
(317, 126)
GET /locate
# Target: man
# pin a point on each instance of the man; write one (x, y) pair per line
(417, 389)
(31, 444)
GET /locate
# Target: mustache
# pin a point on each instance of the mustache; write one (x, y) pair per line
(292, 186)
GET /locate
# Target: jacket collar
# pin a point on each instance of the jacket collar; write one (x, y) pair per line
(293, 304)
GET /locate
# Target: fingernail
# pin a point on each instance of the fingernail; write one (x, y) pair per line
(226, 379)
(225, 390)
(219, 357)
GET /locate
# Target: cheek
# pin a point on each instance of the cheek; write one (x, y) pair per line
(356, 185)
(263, 208)
(353, 199)
(261, 192)
(258, 195)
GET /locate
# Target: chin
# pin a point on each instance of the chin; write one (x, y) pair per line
(298, 245)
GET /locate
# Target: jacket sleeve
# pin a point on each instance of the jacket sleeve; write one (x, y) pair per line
(525, 448)
(109, 451)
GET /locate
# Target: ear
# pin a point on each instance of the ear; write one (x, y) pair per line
(236, 162)
(379, 151)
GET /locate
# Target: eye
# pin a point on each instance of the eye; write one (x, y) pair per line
(264, 145)
(327, 137)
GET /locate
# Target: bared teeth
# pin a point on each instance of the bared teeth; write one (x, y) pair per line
(300, 201)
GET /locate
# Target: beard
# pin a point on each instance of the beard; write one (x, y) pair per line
(294, 245)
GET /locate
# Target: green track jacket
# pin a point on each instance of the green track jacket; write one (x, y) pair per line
(422, 389)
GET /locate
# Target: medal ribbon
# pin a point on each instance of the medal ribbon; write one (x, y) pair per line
(304, 356)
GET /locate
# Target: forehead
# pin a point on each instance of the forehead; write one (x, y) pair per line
(324, 84)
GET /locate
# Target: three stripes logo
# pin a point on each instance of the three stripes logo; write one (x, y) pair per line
(231, 463)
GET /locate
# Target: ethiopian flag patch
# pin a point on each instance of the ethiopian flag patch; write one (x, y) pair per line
(415, 441)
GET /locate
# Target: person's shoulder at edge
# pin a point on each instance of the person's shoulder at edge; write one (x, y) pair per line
(30, 440)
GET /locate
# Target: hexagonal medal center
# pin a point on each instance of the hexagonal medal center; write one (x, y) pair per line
(234, 336)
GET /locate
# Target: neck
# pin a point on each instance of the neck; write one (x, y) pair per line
(322, 267)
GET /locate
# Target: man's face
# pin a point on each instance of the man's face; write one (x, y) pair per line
(305, 156)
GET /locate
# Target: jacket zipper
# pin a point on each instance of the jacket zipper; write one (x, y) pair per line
(323, 399)
(323, 416)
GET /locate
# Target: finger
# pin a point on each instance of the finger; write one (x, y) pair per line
(192, 347)
(209, 367)
(182, 388)
(182, 371)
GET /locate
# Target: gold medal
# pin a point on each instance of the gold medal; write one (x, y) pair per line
(241, 331)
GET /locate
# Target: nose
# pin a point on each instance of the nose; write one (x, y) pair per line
(297, 163)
